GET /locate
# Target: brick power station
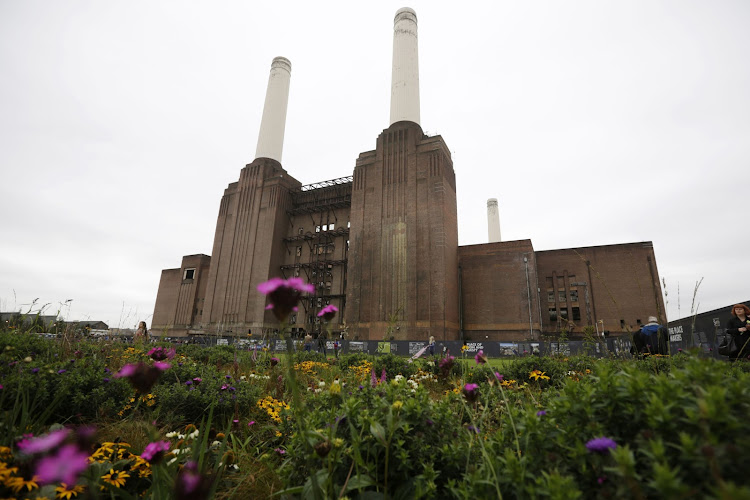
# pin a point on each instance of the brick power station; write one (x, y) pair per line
(382, 245)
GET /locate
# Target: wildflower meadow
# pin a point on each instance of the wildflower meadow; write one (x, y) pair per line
(85, 419)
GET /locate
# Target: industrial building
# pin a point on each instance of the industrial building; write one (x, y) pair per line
(382, 245)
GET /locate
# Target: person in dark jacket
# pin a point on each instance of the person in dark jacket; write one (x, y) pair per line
(739, 327)
(652, 338)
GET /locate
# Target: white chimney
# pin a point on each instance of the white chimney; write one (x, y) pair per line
(271, 135)
(405, 75)
(493, 221)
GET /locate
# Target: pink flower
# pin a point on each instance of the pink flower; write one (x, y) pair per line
(155, 451)
(191, 484)
(382, 377)
(43, 444)
(284, 295)
(160, 354)
(274, 361)
(480, 358)
(471, 392)
(498, 377)
(142, 376)
(280, 451)
(65, 466)
(328, 312)
(251, 423)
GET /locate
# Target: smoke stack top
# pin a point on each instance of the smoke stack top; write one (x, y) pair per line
(405, 74)
(273, 122)
(493, 221)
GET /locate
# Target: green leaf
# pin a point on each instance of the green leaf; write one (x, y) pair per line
(378, 431)
(359, 481)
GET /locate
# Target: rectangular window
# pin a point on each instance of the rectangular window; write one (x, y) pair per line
(325, 227)
(576, 314)
(317, 229)
(301, 231)
(574, 295)
(189, 274)
(561, 295)
(552, 314)
(564, 314)
(550, 295)
(299, 251)
(330, 226)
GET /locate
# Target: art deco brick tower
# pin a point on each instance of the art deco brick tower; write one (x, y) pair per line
(248, 244)
(403, 267)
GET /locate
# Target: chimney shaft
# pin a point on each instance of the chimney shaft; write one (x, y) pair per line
(493, 221)
(405, 74)
(271, 135)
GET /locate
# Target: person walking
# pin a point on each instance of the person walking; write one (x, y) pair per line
(738, 327)
(432, 345)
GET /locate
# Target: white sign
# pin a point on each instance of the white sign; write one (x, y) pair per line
(676, 337)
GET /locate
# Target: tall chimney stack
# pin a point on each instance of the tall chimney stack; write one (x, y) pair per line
(493, 221)
(271, 135)
(405, 74)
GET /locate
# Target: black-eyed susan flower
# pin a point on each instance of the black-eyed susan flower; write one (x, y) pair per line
(115, 478)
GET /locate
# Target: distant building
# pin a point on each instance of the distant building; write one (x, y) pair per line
(382, 245)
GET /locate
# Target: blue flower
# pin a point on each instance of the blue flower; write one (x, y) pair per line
(601, 445)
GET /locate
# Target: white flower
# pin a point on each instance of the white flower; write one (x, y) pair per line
(321, 384)
(193, 434)
(171, 434)
(398, 378)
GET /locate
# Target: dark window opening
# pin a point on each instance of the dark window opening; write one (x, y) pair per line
(574, 295)
(576, 314)
(189, 274)
(553, 314)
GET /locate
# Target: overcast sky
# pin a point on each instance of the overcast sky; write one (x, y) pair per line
(593, 123)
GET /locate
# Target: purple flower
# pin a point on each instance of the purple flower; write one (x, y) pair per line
(189, 382)
(280, 451)
(227, 377)
(382, 377)
(498, 377)
(65, 466)
(155, 451)
(446, 364)
(328, 312)
(197, 380)
(35, 370)
(601, 479)
(373, 378)
(190, 484)
(471, 392)
(160, 353)
(105, 379)
(474, 429)
(60, 372)
(541, 413)
(251, 423)
(224, 387)
(43, 444)
(601, 445)
(142, 376)
(480, 358)
(274, 361)
(284, 295)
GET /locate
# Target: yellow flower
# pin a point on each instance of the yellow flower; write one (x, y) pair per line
(464, 348)
(338, 442)
(115, 478)
(63, 492)
(5, 453)
(6, 472)
(19, 483)
(335, 388)
(397, 405)
(536, 375)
